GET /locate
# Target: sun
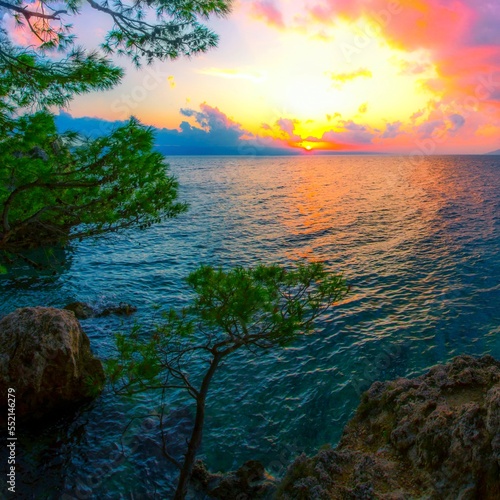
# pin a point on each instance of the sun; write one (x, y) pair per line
(308, 147)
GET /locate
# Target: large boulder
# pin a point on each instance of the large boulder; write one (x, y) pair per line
(45, 357)
(436, 436)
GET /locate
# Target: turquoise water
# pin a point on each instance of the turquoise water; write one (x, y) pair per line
(418, 243)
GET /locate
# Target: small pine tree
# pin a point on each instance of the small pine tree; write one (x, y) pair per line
(263, 308)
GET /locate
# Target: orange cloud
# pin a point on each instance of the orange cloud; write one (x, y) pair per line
(341, 78)
(410, 24)
(363, 108)
(461, 38)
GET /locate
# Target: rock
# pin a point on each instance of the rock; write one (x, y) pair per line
(250, 481)
(83, 310)
(122, 309)
(436, 436)
(45, 356)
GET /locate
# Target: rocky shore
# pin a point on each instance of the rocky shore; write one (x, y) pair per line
(436, 436)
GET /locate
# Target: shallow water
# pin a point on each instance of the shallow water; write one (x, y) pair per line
(418, 243)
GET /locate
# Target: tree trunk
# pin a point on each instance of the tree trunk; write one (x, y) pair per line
(196, 434)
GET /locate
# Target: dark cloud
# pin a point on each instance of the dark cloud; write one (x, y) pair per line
(89, 126)
(485, 30)
(350, 125)
(458, 121)
(216, 129)
(392, 130)
(213, 133)
(352, 135)
(426, 130)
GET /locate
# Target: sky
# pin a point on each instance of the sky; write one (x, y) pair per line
(413, 77)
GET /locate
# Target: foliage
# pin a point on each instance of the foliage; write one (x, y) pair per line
(265, 307)
(53, 187)
(175, 31)
(30, 79)
(63, 187)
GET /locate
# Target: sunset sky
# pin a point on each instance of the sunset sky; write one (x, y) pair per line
(343, 75)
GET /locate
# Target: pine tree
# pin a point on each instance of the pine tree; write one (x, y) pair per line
(59, 187)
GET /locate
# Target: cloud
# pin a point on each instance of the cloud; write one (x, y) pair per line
(461, 37)
(346, 135)
(89, 126)
(427, 129)
(282, 131)
(494, 95)
(215, 133)
(411, 25)
(215, 125)
(287, 127)
(267, 11)
(457, 121)
(363, 108)
(211, 132)
(208, 130)
(459, 40)
(418, 114)
(392, 130)
(352, 134)
(350, 125)
(413, 68)
(332, 117)
(340, 79)
(485, 23)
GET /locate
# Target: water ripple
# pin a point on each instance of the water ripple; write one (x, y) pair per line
(419, 246)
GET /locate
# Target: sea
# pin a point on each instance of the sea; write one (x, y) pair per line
(417, 239)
